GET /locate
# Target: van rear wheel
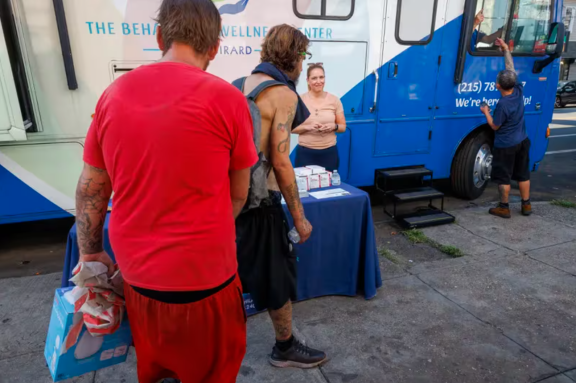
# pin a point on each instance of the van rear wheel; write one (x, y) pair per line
(472, 166)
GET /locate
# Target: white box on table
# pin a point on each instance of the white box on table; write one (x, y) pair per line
(314, 181)
(89, 353)
(316, 169)
(302, 172)
(325, 180)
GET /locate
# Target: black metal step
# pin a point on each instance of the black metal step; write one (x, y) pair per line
(425, 219)
(405, 173)
(416, 194)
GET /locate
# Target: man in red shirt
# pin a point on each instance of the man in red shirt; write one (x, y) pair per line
(175, 145)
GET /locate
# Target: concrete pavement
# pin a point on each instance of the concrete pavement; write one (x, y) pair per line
(504, 312)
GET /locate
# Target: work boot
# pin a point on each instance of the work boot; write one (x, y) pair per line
(501, 211)
(526, 208)
(298, 355)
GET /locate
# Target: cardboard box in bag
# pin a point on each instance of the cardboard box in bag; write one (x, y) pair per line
(89, 353)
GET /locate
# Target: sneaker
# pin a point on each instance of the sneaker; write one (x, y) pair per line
(502, 212)
(299, 355)
(526, 209)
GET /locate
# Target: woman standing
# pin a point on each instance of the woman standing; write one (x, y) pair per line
(317, 135)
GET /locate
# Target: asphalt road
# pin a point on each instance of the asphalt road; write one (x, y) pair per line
(563, 132)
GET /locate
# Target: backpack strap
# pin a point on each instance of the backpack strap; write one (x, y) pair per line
(261, 88)
(239, 84)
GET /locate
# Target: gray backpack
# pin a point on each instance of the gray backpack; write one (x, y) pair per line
(261, 170)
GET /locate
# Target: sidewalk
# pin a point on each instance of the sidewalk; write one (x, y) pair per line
(504, 312)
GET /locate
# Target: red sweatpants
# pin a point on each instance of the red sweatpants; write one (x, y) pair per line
(200, 342)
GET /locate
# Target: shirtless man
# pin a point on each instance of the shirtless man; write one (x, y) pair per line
(266, 260)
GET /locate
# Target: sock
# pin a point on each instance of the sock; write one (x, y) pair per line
(527, 202)
(504, 205)
(284, 345)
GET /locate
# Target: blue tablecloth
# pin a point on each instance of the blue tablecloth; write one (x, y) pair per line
(339, 259)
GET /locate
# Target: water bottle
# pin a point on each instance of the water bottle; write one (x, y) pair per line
(335, 178)
(294, 236)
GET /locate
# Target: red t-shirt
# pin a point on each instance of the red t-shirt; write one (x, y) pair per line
(168, 134)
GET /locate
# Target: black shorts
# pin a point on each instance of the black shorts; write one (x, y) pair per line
(266, 257)
(511, 163)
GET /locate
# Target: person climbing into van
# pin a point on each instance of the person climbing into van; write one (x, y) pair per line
(511, 144)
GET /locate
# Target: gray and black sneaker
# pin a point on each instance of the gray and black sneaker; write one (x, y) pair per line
(299, 356)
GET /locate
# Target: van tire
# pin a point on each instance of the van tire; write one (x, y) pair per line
(462, 177)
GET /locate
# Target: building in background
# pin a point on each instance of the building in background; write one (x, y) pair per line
(568, 68)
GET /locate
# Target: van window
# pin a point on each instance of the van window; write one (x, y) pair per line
(492, 25)
(530, 24)
(415, 21)
(324, 9)
(523, 24)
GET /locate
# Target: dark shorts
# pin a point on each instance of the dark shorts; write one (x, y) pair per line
(327, 158)
(511, 163)
(266, 257)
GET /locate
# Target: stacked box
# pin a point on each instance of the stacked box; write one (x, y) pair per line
(316, 169)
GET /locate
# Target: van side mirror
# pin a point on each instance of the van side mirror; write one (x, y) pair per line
(554, 46)
(555, 43)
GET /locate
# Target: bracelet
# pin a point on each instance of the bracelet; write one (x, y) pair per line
(336, 129)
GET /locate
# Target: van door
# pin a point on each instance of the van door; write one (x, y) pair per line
(11, 123)
(408, 76)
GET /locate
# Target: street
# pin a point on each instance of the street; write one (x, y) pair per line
(563, 132)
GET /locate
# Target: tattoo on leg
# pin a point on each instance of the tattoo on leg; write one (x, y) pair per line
(282, 320)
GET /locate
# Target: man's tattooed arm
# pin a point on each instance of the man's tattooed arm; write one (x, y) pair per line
(284, 128)
(92, 196)
(280, 151)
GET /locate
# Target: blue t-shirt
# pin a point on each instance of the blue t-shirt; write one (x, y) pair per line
(509, 116)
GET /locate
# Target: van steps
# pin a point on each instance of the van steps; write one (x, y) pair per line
(404, 173)
(416, 194)
(412, 184)
(425, 219)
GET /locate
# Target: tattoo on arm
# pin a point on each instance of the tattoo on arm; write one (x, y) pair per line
(283, 145)
(286, 127)
(509, 61)
(292, 198)
(92, 196)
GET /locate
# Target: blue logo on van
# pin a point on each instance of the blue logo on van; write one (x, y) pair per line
(232, 9)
